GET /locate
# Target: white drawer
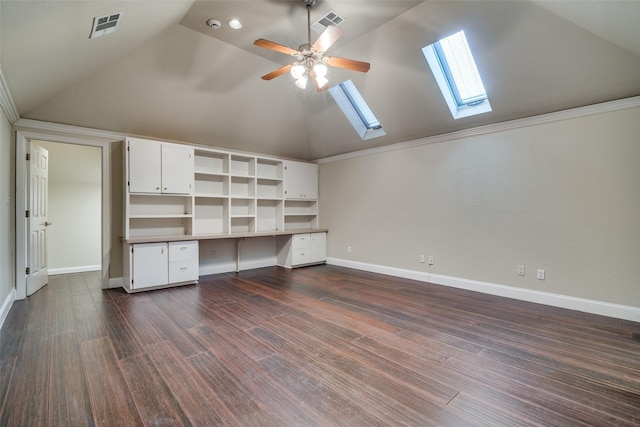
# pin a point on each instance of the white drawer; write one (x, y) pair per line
(300, 241)
(300, 256)
(183, 271)
(183, 251)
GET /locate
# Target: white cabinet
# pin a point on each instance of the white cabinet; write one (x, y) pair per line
(150, 265)
(302, 249)
(300, 180)
(146, 266)
(159, 167)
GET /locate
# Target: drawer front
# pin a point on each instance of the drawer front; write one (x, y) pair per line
(183, 271)
(300, 241)
(183, 251)
(300, 256)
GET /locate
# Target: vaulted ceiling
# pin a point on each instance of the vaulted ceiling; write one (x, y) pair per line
(165, 74)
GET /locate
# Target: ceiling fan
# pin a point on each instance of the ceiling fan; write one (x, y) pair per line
(310, 59)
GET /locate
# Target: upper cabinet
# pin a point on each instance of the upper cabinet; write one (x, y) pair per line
(301, 180)
(160, 167)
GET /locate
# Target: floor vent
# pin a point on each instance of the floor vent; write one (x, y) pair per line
(330, 18)
(105, 24)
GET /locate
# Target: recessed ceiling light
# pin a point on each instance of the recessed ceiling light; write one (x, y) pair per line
(235, 24)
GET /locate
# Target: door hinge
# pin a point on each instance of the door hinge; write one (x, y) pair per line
(28, 156)
(28, 271)
(27, 214)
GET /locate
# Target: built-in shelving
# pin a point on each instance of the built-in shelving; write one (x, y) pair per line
(231, 193)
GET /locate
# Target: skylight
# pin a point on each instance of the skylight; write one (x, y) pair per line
(356, 110)
(452, 64)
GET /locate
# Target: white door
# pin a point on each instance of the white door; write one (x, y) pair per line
(150, 265)
(177, 169)
(144, 166)
(37, 223)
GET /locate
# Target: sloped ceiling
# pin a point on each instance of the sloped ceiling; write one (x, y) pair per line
(165, 74)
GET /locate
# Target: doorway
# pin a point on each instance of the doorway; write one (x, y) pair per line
(74, 208)
(64, 135)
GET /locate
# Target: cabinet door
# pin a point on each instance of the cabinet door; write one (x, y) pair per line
(145, 158)
(177, 169)
(318, 247)
(150, 265)
(310, 180)
(301, 180)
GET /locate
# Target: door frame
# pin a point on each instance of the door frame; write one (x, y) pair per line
(34, 130)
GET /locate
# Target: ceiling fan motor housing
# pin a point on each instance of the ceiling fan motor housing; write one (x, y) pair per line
(309, 4)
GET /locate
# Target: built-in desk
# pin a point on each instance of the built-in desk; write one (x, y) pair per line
(145, 257)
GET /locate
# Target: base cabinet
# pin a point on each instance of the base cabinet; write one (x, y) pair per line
(154, 265)
(302, 249)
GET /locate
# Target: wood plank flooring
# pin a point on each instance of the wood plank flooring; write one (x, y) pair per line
(318, 346)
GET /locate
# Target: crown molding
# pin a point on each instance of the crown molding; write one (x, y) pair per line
(6, 101)
(70, 130)
(590, 110)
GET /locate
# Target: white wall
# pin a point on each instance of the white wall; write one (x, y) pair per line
(563, 196)
(74, 207)
(7, 207)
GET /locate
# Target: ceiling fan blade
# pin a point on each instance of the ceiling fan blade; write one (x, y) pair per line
(328, 37)
(348, 64)
(275, 46)
(315, 82)
(278, 72)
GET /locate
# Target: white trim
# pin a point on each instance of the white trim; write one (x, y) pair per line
(33, 129)
(67, 130)
(605, 107)
(6, 100)
(70, 270)
(115, 282)
(601, 308)
(6, 306)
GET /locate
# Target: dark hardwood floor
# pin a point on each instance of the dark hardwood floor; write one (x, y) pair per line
(317, 346)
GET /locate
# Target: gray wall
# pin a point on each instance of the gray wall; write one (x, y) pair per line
(563, 196)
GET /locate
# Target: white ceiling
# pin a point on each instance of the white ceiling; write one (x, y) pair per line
(165, 74)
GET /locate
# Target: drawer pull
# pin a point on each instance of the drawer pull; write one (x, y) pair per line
(183, 248)
(183, 268)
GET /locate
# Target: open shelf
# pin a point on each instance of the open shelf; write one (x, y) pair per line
(269, 215)
(211, 162)
(161, 205)
(269, 169)
(269, 189)
(211, 185)
(243, 187)
(210, 216)
(242, 165)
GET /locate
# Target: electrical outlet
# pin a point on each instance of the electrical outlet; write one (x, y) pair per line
(430, 260)
(540, 274)
(520, 270)
(348, 249)
(422, 259)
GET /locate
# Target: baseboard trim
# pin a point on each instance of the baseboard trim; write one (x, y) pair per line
(6, 306)
(70, 270)
(616, 311)
(115, 282)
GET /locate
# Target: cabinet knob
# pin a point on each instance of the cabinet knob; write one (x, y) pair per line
(157, 188)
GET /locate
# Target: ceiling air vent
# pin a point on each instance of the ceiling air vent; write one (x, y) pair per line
(104, 24)
(330, 18)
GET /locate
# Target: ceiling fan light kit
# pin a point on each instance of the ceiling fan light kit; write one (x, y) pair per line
(310, 59)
